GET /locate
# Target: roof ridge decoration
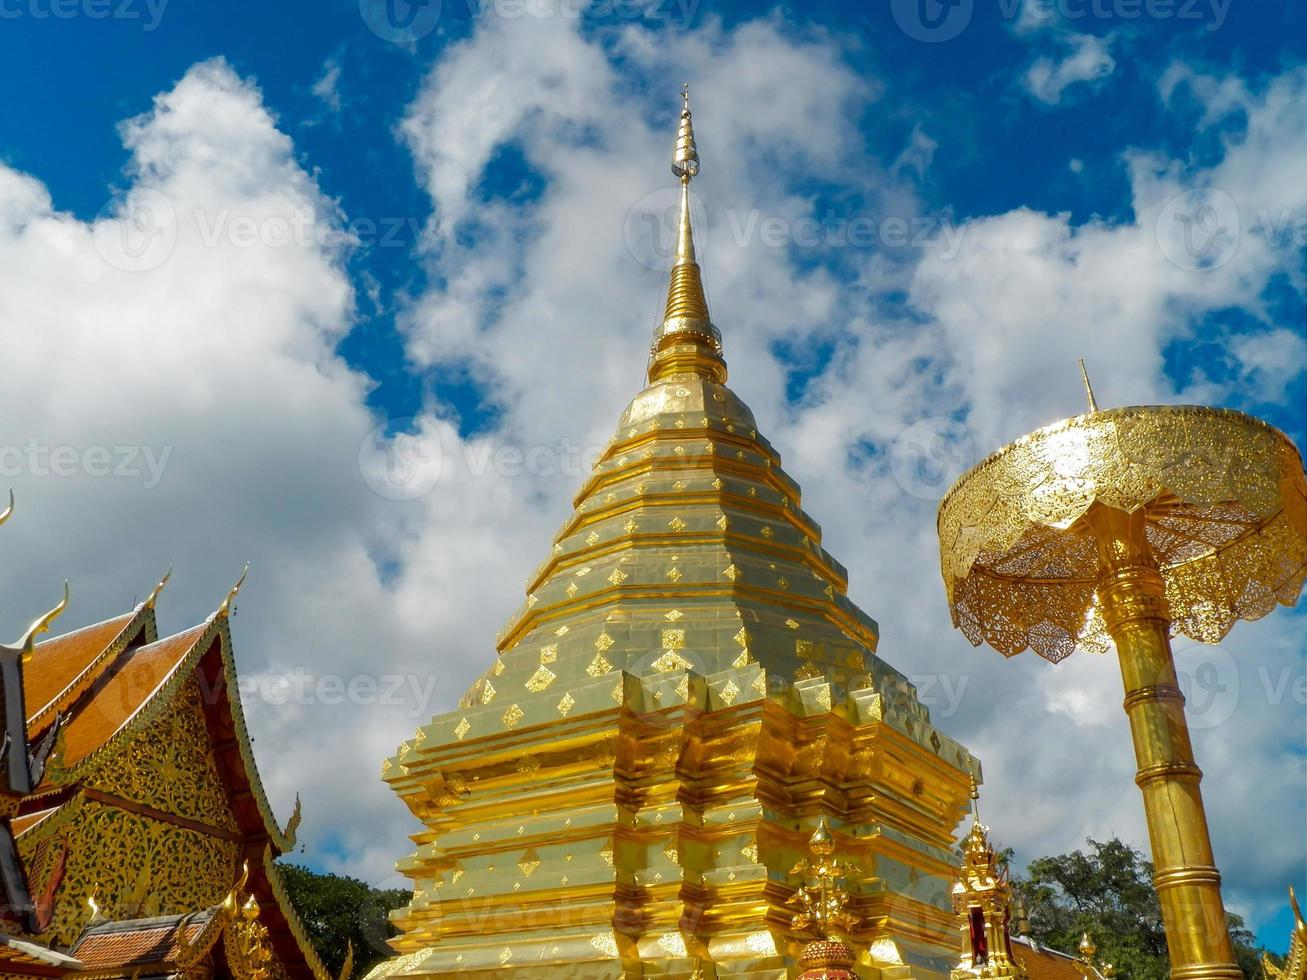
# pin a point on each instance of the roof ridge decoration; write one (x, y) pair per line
(228, 604)
(154, 593)
(217, 627)
(687, 342)
(139, 623)
(296, 925)
(23, 767)
(25, 644)
(1295, 964)
(222, 916)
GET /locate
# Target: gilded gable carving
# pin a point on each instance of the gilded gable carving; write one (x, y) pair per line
(132, 865)
(170, 766)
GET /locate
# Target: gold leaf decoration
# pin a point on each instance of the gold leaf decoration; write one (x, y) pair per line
(512, 716)
(671, 661)
(540, 680)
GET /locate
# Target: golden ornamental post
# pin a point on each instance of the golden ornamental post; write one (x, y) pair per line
(1130, 525)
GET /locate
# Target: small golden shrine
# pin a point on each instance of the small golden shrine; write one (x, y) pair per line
(685, 695)
(982, 898)
(136, 838)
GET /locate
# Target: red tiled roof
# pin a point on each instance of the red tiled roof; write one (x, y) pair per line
(119, 696)
(1047, 964)
(59, 661)
(137, 944)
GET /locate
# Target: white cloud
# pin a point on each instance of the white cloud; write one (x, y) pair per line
(327, 86)
(1086, 59)
(220, 361)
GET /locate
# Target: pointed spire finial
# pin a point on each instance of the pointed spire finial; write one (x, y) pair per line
(1089, 389)
(154, 593)
(686, 342)
(822, 842)
(26, 644)
(225, 609)
(685, 157)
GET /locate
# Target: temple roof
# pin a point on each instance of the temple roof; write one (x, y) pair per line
(63, 667)
(20, 954)
(124, 691)
(90, 694)
(135, 945)
(1042, 963)
(131, 687)
(110, 681)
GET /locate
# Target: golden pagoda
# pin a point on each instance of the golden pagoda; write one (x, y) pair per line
(135, 836)
(685, 695)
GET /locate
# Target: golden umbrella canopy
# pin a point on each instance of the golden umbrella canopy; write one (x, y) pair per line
(1224, 501)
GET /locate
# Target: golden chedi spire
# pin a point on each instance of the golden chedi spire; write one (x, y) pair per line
(686, 342)
(686, 684)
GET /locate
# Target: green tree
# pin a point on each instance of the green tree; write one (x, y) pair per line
(339, 912)
(1108, 893)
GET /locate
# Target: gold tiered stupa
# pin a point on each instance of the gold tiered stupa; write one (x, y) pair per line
(686, 692)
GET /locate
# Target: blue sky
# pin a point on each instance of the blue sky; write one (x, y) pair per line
(1118, 179)
(1000, 149)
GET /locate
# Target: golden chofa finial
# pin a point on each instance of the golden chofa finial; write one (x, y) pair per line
(686, 343)
(154, 593)
(225, 609)
(10, 509)
(1089, 389)
(1295, 964)
(1087, 948)
(27, 642)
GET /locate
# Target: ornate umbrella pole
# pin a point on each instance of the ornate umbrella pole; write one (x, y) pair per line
(1134, 524)
(1132, 597)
